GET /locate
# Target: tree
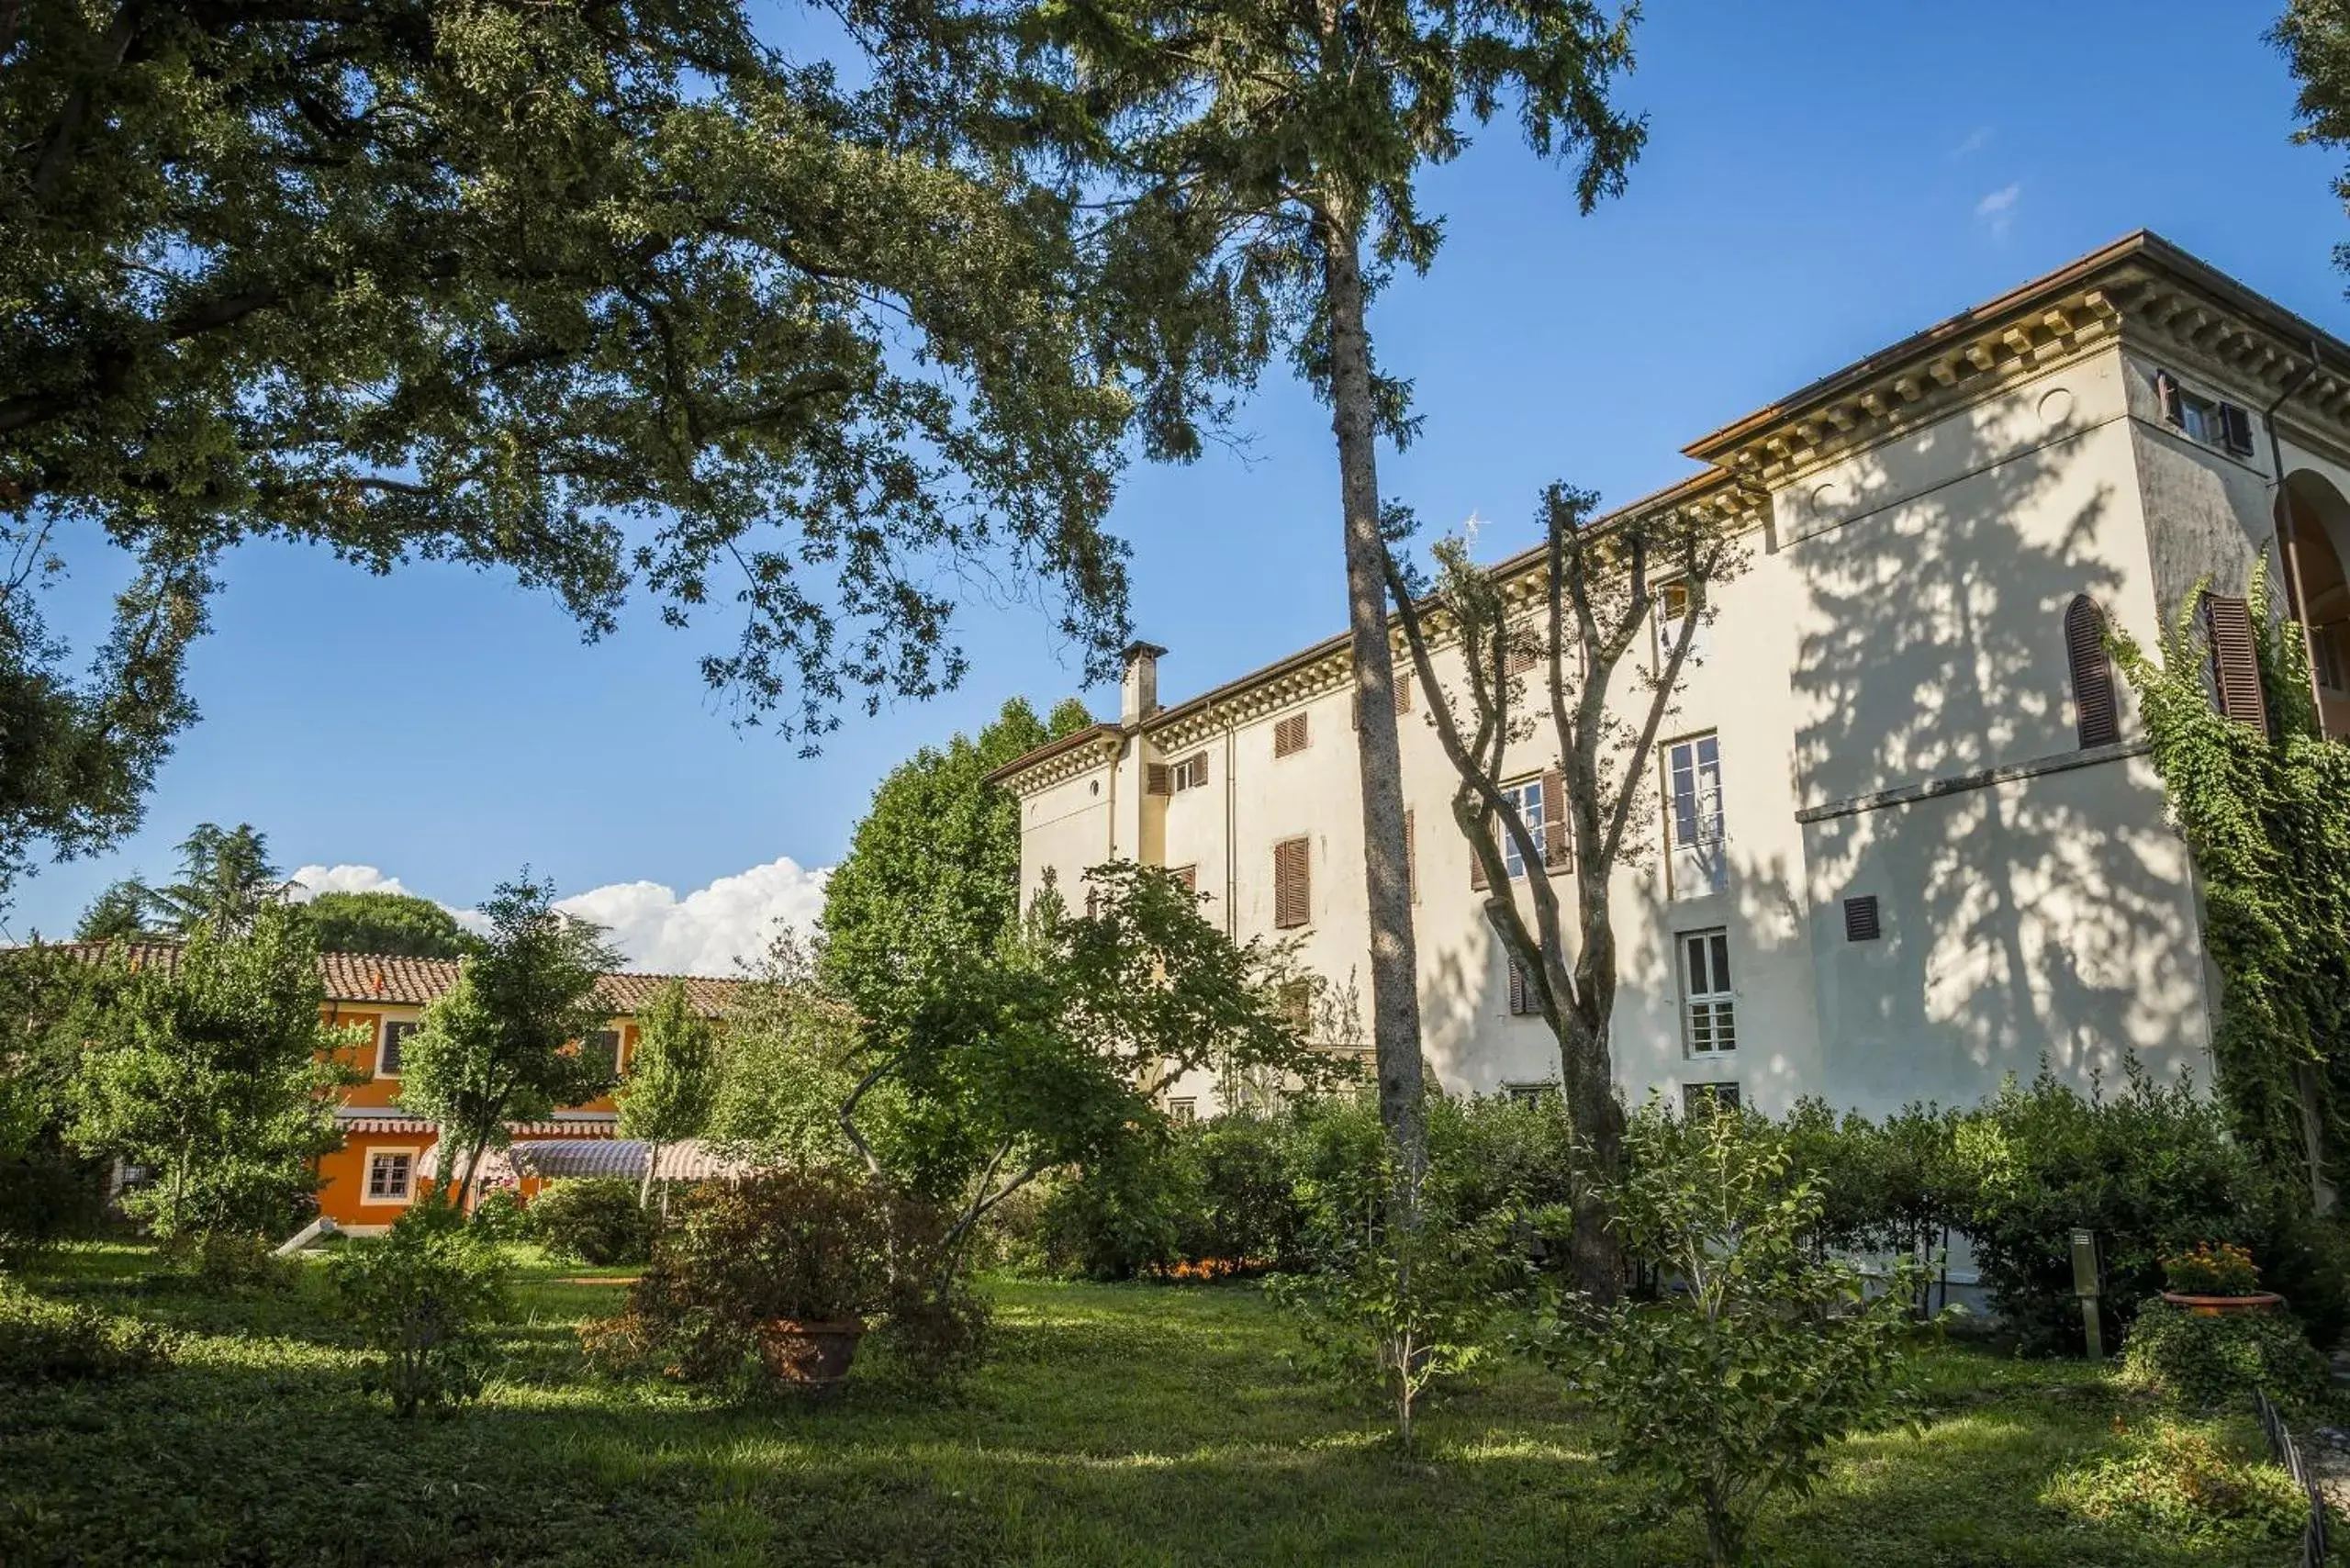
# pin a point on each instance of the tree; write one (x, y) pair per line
(595, 294)
(671, 1078)
(789, 1064)
(933, 872)
(2314, 36)
(1599, 608)
(118, 914)
(215, 1074)
(397, 923)
(1273, 147)
(225, 877)
(502, 1045)
(1041, 1053)
(1733, 1386)
(49, 1005)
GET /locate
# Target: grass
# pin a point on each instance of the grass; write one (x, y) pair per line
(1114, 1425)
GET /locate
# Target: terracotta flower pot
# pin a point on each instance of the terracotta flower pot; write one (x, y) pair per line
(2222, 1305)
(814, 1356)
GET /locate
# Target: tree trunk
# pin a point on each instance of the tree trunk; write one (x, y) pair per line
(1593, 1251)
(1394, 986)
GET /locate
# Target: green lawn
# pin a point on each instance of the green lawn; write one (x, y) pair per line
(1113, 1425)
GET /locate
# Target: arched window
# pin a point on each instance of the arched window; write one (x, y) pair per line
(2094, 713)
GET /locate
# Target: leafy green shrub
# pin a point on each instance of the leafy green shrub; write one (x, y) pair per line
(2204, 1363)
(2152, 1170)
(421, 1292)
(1390, 1308)
(44, 1342)
(595, 1219)
(1244, 1209)
(500, 1216)
(1732, 1386)
(228, 1263)
(811, 1246)
(1125, 1215)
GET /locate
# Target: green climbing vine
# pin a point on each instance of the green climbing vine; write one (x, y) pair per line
(2266, 816)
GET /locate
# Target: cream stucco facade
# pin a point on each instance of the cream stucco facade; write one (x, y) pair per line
(1887, 693)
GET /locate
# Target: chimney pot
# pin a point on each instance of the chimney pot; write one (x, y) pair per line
(1138, 691)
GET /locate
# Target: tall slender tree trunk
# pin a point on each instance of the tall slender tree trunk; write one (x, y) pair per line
(1394, 985)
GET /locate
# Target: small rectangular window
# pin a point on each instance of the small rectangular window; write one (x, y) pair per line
(1182, 1113)
(603, 1047)
(1187, 875)
(1527, 1093)
(1191, 773)
(1708, 1007)
(1674, 621)
(1697, 1097)
(389, 1174)
(387, 1054)
(2326, 656)
(1694, 827)
(1860, 919)
(1525, 794)
(1290, 736)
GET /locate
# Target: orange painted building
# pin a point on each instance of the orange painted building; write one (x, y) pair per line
(366, 1183)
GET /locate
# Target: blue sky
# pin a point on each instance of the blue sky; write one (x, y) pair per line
(1822, 179)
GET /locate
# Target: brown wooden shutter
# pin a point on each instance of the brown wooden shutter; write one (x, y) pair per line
(1293, 883)
(2094, 715)
(1525, 652)
(2166, 394)
(1517, 1007)
(1354, 712)
(1402, 691)
(1411, 861)
(2236, 668)
(1290, 736)
(1157, 779)
(1554, 821)
(1189, 876)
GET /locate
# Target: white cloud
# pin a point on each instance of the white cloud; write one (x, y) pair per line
(701, 933)
(1977, 139)
(1998, 208)
(706, 931)
(312, 880)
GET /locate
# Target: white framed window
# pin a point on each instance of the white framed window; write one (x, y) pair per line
(1693, 826)
(1674, 623)
(391, 1176)
(1191, 773)
(1182, 1113)
(1529, 1093)
(1708, 1006)
(1525, 794)
(2210, 420)
(389, 1040)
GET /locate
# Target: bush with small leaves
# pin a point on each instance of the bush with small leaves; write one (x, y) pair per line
(500, 1216)
(421, 1293)
(1760, 1353)
(45, 1341)
(2208, 1362)
(594, 1219)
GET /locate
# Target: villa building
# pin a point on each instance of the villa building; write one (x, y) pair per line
(1903, 837)
(386, 1152)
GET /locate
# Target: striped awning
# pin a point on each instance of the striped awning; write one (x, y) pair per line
(551, 1158)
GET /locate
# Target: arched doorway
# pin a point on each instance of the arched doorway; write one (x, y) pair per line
(2319, 535)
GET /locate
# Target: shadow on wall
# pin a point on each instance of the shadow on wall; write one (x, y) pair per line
(2048, 916)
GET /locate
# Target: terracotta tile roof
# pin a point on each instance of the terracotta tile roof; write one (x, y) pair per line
(362, 978)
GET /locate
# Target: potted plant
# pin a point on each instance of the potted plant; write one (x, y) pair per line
(2215, 1278)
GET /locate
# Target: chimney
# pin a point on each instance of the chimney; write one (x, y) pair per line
(1138, 690)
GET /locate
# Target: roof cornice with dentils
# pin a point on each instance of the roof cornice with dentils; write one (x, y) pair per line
(2141, 286)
